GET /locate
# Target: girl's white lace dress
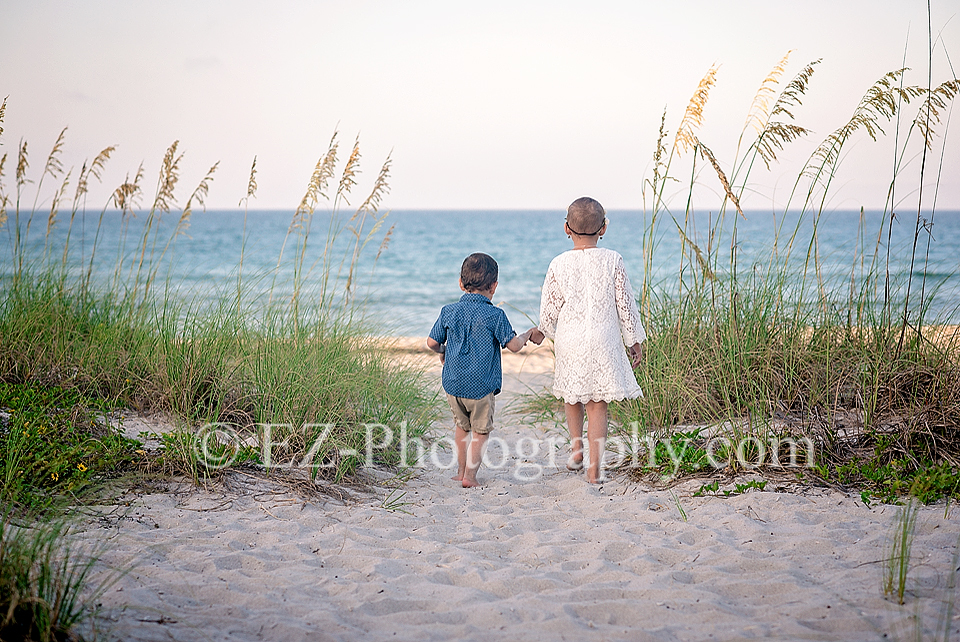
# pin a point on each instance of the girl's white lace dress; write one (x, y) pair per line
(587, 308)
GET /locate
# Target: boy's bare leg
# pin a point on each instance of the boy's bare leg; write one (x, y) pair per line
(461, 438)
(574, 412)
(474, 457)
(597, 435)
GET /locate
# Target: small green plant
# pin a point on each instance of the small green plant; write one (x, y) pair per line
(679, 453)
(676, 500)
(54, 444)
(45, 583)
(897, 560)
(738, 488)
(394, 502)
(712, 487)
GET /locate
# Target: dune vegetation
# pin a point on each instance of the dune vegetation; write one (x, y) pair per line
(82, 345)
(864, 369)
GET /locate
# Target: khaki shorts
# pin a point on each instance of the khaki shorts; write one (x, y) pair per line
(473, 415)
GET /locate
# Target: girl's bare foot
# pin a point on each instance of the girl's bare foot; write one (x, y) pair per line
(468, 483)
(575, 462)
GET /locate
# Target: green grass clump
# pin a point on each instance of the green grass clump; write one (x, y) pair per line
(46, 588)
(897, 560)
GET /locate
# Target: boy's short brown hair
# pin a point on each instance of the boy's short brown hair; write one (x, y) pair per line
(478, 272)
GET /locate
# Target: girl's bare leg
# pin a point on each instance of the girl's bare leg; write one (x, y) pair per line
(597, 435)
(574, 412)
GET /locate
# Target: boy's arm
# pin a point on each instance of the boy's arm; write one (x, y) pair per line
(516, 344)
(437, 347)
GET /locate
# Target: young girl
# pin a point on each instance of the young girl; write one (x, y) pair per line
(587, 308)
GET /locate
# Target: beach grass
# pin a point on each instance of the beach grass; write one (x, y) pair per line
(282, 379)
(46, 583)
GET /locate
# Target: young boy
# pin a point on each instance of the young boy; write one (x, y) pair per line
(468, 336)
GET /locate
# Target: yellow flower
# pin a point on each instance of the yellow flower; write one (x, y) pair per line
(81, 468)
(54, 476)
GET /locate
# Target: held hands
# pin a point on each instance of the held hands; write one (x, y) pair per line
(535, 335)
(437, 347)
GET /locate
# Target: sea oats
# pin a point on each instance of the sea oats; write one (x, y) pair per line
(4, 200)
(95, 170)
(22, 164)
(759, 111)
(776, 133)
(322, 173)
(3, 110)
(380, 188)
(54, 166)
(252, 181)
(880, 101)
(55, 203)
(708, 155)
(126, 196)
(197, 198)
(385, 243)
(693, 116)
(791, 94)
(929, 112)
(350, 171)
(169, 175)
(659, 162)
(698, 253)
(3, 163)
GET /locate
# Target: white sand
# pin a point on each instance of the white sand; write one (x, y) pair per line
(547, 559)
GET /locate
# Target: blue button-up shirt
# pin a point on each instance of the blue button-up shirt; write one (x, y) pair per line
(474, 330)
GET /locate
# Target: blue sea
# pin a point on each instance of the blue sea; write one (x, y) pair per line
(417, 272)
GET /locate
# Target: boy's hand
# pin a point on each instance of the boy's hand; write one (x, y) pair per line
(437, 347)
(536, 336)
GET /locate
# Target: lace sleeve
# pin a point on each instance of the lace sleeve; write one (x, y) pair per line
(551, 300)
(630, 325)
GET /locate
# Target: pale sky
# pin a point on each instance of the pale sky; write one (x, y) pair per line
(484, 105)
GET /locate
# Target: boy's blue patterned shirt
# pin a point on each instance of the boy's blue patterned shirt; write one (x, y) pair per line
(474, 330)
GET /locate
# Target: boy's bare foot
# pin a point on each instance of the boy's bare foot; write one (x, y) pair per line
(457, 478)
(575, 461)
(600, 479)
(470, 483)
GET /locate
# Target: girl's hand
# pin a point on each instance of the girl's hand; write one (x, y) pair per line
(636, 355)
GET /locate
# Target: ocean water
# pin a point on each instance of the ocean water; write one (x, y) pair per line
(417, 273)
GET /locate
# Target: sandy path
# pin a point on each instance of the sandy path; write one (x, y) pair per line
(549, 558)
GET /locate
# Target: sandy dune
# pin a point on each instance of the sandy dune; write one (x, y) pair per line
(547, 558)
